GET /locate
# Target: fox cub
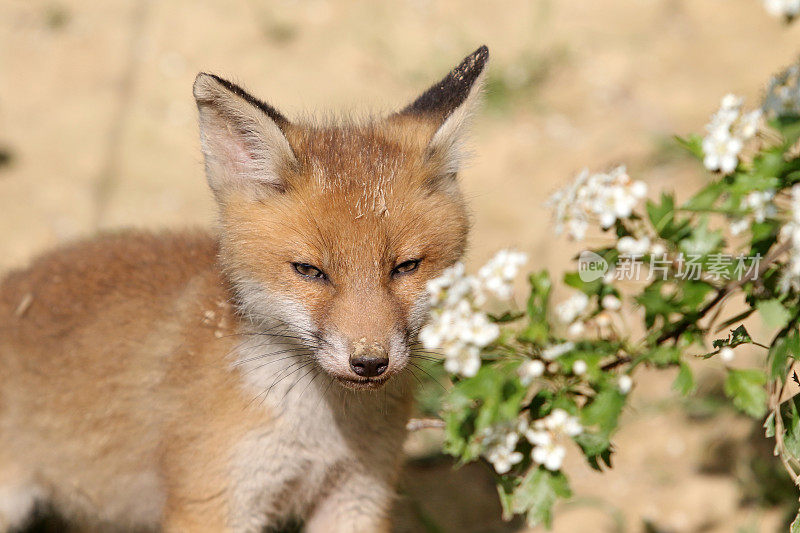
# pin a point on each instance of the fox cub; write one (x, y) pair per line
(190, 382)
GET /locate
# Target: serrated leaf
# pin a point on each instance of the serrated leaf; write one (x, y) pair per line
(506, 500)
(508, 316)
(737, 337)
(784, 347)
(537, 493)
(795, 527)
(662, 215)
(746, 388)
(791, 424)
(693, 144)
(596, 448)
(773, 313)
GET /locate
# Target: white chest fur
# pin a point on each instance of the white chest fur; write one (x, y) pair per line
(321, 433)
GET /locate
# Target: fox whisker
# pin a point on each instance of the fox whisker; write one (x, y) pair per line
(428, 374)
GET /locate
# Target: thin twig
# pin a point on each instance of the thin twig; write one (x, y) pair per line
(416, 424)
(109, 169)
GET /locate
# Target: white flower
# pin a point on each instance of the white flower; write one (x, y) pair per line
(726, 354)
(551, 456)
(477, 330)
(557, 350)
(538, 436)
(782, 8)
(568, 310)
(561, 422)
(545, 449)
(727, 130)
(602, 197)
(633, 247)
(721, 151)
(611, 302)
(544, 435)
(499, 272)
(749, 123)
(503, 459)
(438, 287)
(739, 225)
(759, 202)
(727, 114)
(576, 329)
(500, 444)
(625, 383)
(658, 250)
(465, 361)
(790, 233)
(602, 320)
(579, 367)
(530, 370)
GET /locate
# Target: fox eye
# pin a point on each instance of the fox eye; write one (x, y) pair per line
(406, 267)
(309, 271)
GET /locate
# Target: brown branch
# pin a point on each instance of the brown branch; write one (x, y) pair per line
(416, 424)
(678, 328)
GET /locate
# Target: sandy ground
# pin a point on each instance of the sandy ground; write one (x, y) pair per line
(98, 130)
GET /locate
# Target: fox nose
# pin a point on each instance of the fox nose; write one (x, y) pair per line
(368, 361)
(369, 366)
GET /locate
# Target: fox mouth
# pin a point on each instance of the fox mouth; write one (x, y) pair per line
(363, 383)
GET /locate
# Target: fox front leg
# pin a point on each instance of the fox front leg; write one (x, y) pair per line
(360, 505)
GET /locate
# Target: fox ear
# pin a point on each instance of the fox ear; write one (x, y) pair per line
(449, 105)
(242, 137)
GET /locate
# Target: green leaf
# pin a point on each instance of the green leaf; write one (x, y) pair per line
(663, 356)
(773, 313)
(684, 381)
(706, 198)
(738, 336)
(604, 409)
(493, 396)
(791, 424)
(596, 448)
(589, 287)
(784, 347)
(506, 493)
(702, 241)
(795, 527)
(662, 215)
(508, 316)
(538, 329)
(769, 426)
(746, 388)
(537, 493)
(693, 144)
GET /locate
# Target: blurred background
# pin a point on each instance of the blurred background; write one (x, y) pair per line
(98, 131)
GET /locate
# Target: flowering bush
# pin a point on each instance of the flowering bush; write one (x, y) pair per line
(527, 382)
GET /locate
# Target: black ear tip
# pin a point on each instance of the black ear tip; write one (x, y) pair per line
(472, 65)
(478, 58)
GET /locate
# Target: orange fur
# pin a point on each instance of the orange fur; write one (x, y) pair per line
(195, 382)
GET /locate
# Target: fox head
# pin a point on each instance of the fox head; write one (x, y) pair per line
(330, 231)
